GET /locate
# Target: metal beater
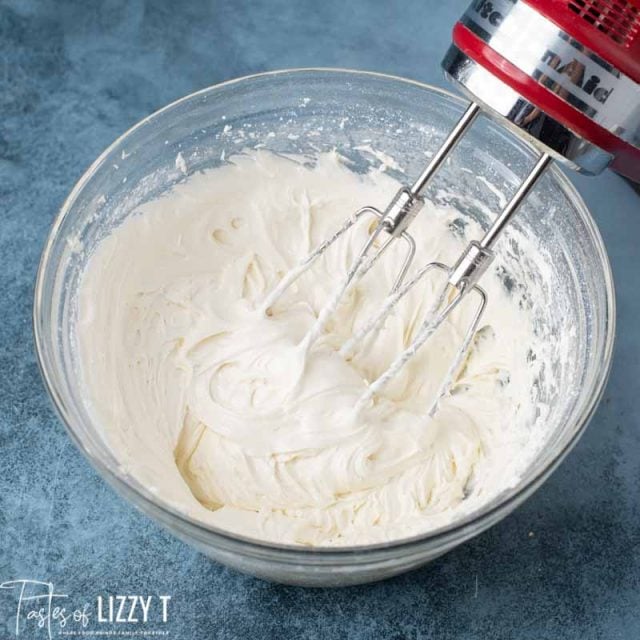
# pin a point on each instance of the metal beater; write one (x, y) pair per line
(565, 75)
(462, 278)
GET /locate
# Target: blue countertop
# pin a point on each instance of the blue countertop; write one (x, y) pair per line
(76, 74)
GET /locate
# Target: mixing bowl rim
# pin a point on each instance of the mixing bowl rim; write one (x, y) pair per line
(117, 478)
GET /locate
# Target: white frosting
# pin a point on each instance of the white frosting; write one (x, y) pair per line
(218, 409)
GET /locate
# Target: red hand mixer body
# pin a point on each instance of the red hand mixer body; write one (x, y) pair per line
(565, 73)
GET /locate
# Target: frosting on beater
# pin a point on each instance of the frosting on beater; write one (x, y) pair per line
(215, 406)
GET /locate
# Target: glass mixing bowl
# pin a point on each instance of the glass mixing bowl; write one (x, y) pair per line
(303, 112)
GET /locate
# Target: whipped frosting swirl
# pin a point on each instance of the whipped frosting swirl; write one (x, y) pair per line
(218, 408)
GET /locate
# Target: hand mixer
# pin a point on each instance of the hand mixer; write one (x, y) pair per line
(564, 75)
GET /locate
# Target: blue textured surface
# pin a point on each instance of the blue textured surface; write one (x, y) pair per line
(73, 76)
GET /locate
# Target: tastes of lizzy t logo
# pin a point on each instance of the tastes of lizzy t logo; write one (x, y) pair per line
(41, 611)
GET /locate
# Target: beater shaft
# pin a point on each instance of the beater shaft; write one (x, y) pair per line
(543, 163)
(478, 255)
(407, 202)
(456, 134)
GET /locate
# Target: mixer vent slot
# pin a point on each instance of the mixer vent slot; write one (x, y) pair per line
(619, 19)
